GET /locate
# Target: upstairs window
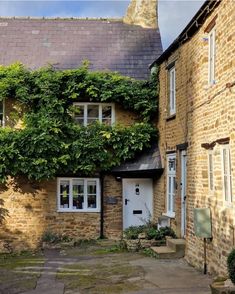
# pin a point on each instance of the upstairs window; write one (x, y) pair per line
(78, 195)
(172, 100)
(210, 170)
(226, 173)
(211, 57)
(87, 113)
(2, 119)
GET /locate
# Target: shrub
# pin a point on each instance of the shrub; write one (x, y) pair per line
(166, 231)
(133, 231)
(231, 265)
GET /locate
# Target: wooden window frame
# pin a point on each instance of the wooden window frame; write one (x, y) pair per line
(210, 170)
(226, 174)
(100, 105)
(172, 90)
(171, 179)
(85, 208)
(211, 56)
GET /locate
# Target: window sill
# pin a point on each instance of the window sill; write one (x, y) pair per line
(169, 214)
(171, 117)
(78, 210)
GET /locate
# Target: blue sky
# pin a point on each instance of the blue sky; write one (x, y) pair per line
(173, 14)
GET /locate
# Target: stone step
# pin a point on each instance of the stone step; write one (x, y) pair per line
(174, 248)
(164, 252)
(176, 244)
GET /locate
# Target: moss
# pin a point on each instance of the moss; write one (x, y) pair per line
(100, 278)
(20, 271)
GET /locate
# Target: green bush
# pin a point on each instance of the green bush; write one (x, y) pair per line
(133, 231)
(231, 265)
(151, 232)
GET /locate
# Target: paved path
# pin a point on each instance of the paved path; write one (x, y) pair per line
(160, 276)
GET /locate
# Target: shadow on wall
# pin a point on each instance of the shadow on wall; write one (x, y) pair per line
(23, 211)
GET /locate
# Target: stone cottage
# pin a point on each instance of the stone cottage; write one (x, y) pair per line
(197, 135)
(128, 46)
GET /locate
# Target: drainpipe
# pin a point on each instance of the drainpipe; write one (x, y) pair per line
(101, 205)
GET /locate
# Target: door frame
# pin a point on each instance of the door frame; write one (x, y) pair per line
(123, 197)
(183, 185)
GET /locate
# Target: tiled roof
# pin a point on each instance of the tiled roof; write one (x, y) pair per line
(65, 43)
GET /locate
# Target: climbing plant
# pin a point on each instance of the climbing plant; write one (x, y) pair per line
(50, 142)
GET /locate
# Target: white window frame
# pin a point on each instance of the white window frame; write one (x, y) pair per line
(85, 209)
(211, 56)
(2, 123)
(227, 195)
(171, 178)
(85, 104)
(210, 170)
(172, 91)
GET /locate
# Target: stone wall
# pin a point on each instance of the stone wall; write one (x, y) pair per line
(30, 208)
(204, 113)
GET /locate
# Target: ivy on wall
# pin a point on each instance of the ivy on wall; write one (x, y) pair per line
(50, 142)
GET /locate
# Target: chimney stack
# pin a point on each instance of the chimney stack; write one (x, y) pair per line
(142, 13)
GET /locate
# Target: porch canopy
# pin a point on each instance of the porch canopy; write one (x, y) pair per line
(145, 165)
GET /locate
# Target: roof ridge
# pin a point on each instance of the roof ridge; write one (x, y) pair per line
(60, 18)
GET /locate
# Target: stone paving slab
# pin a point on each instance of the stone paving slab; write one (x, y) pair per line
(157, 276)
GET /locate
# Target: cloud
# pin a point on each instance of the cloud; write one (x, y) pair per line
(173, 16)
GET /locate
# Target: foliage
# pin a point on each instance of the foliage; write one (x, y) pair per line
(54, 238)
(150, 231)
(231, 265)
(149, 252)
(132, 232)
(50, 142)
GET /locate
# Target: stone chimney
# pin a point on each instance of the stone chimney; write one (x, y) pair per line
(142, 13)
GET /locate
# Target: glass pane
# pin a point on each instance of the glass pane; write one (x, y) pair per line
(107, 122)
(93, 111)
(78, 187)
(64, 194)
(1, 107)
(91, 187)
(91, 201)
(79, 114)
(106, 112)
(78, 201)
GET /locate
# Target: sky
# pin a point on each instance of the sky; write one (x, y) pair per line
(173, 15)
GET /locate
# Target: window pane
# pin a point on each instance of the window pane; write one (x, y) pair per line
(64, 194)
(78, 201)
(78, 194)
(92, 113)
(79, 114)
(92, 201)
(106, 112)
(91, 187)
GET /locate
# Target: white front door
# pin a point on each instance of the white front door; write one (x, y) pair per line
(183, 159)
(137, 201)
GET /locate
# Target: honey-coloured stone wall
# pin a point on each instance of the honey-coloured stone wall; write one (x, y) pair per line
(204, 114)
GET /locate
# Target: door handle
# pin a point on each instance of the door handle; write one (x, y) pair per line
(126, 200)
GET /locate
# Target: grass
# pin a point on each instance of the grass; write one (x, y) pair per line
(99, 278)
(20, 271)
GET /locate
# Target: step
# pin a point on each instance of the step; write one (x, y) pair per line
(164, 252)
(176, 244)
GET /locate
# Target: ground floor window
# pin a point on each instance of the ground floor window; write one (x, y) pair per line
(78, 194)
(171, 183)
(227, 174)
